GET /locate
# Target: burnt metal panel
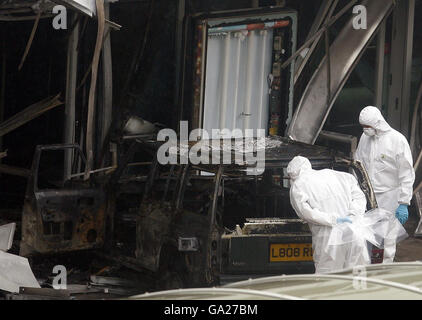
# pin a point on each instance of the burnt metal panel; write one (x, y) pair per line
(69, 218)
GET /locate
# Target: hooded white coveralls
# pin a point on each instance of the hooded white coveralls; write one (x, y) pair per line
(320, 197)
(388, 161)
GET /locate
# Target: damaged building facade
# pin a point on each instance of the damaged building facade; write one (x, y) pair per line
(81, 106)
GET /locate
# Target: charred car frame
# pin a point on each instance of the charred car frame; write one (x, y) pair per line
(209, 224)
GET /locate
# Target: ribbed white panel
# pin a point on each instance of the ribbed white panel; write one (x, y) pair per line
(236, 85)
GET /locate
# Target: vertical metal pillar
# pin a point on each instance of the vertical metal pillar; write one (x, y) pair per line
(71, 77)
(379, 67)
(400, 66)
(105, 100)
(3, 82)
(181, 10)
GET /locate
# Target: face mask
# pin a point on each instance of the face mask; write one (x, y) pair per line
(369, 131)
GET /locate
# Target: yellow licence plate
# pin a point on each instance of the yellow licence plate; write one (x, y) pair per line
(290, 252)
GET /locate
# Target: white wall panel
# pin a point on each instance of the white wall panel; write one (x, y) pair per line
(236, 85)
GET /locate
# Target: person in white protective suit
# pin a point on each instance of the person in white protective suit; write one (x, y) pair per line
(326, 198)
(387, 158)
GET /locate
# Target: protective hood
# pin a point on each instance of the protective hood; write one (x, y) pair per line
(297, 166)
(371, 116)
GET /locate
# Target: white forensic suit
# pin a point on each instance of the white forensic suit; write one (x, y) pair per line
(388, 160)
(321, 198)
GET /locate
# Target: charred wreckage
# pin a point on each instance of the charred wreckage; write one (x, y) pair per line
(196, 225)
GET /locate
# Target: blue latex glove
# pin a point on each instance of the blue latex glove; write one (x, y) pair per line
(402, 213)
(343, 220)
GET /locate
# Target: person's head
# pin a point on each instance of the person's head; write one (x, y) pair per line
(372, 121)
(297, 166)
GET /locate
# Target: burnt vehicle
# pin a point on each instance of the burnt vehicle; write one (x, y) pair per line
(209, 224)
(62, 212)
